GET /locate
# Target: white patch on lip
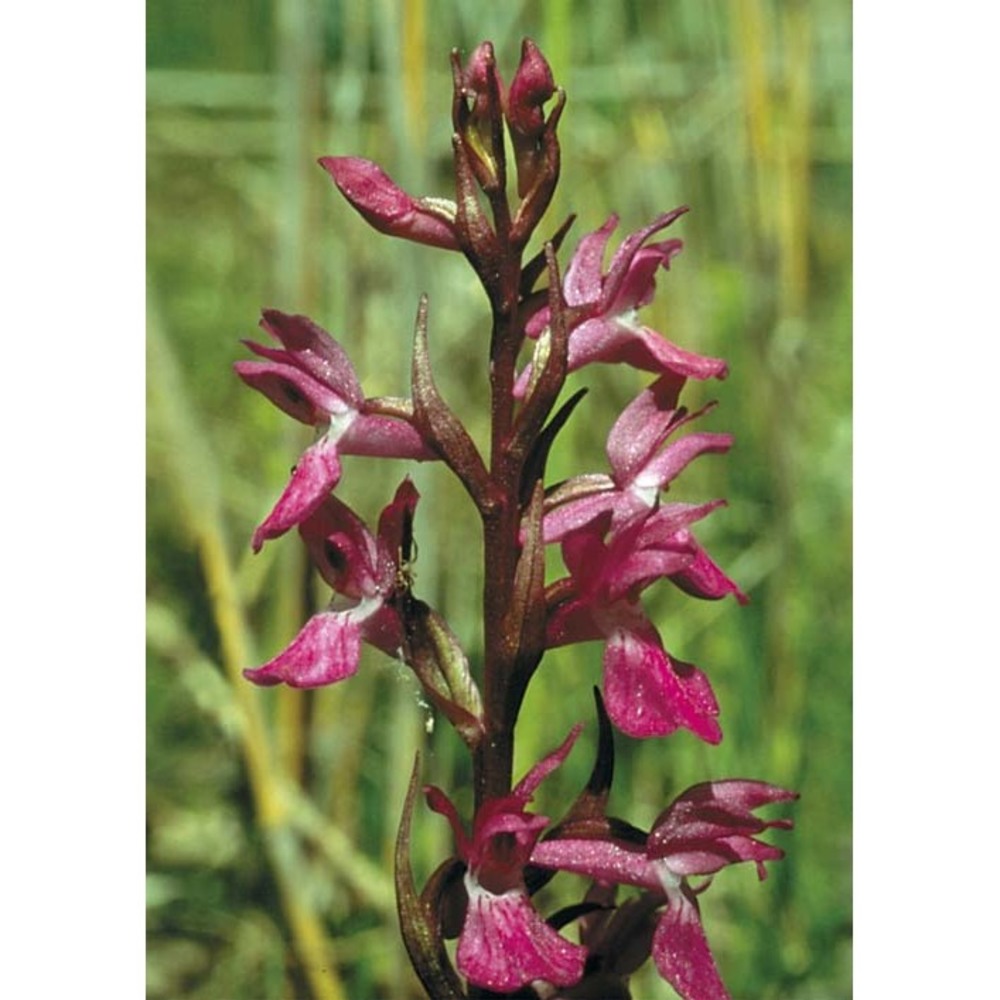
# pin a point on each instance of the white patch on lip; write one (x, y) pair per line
(670, 881)
(340, 420)
(479, 894)
(646, 488)
(355, 612)
(629, 319)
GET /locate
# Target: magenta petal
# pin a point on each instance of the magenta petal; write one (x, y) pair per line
(387, 207)
(669, 520)
(737, 796)
(505, 944)
(325, 651)
(575, 514)
(648, 694)
(315, 474)
(293, 391)
(310, 348)
(584, 551)
(383, 629)
(642, 426)
(384, 437)
(502, 843)
(712, 825)
(525, 788)
(396, 515)
(666, 466)
(703, 578)
(705, 857)
(645, 566)
(583, 282)
(614, 341)
(652, 351)
(639, 285)
(342, 548)
(571, 622)
(624, 259)
(682, 955)
(603, 861)
(440, 803)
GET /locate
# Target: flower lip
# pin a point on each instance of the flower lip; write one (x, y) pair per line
(325, 651)
(314, 475)
(504, 943)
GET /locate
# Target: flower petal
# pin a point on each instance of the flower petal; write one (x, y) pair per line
(681, 952)
(604, 861)
(624, 262)
(440, 803)
(614, 340)
(642, 427)
(572, 621)
(505, 944)
(525, 788)
(583, 282)
(325, 651)
(703, 578)
(639, 284)
(666, 466)
(384, 437)
(575, 514)
(342, 549)
(293, 391)
(312, 350)
(649, 694)
(315, 474)
(712, 825)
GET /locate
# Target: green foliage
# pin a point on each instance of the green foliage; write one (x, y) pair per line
(271, 815)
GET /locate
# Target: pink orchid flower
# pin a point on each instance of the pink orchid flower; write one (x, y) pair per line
(647, 691)
(312, 380)
(363, 572)
(504, 943)
(607, 326)
(708, 827)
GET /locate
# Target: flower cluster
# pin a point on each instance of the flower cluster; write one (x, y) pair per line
(617, 532)
(504, 943)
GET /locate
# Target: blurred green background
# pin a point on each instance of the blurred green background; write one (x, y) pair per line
(271, 813)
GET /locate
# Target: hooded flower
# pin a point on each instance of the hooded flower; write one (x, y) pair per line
(312, 380)
(363, 572)
(504, 943)
(647, 691)
(706, 828)
(607, 327)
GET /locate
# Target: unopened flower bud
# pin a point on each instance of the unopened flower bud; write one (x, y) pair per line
(478, 115)
(531, 87)
(387, 207)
